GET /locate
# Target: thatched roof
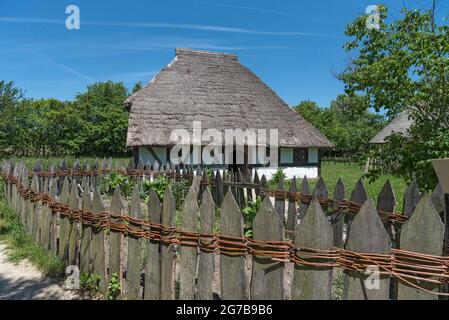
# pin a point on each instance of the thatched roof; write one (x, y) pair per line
(217, 90)
(400, 124)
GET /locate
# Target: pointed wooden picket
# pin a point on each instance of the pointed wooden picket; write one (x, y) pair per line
(337, 218)
(267, 282)
(152, 286)
(53, 235)
(423, 233)
(206, 264)
(279, 202)
(73, 226)
(62, 168)
(314, 231)
(115, 237)
(305, 190)
(218, 197)
(188, 254)
(86, 236)
(134, 262)
(411, 198)
(291, 214)
(167, 250)
(257, 183)
(438, 198)
(98, 248)
(34, 210)
(359, 195)
(232, 268)
(64, 222)
(367, 235)
(386, 202)
(44, 217)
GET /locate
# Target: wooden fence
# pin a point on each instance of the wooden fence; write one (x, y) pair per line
(296, 248)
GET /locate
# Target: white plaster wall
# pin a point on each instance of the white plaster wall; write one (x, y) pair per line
(290, 172)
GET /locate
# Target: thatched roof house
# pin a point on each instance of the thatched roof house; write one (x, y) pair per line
(401, 124)
(217, 90)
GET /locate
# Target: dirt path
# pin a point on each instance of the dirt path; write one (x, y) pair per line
(23, 282)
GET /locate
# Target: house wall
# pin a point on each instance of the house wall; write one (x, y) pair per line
(290, 172)
(147, 156)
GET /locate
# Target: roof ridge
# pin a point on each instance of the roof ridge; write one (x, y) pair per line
(205, 52)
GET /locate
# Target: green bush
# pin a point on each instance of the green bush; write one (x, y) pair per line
(114, 288)
(249, 213)
(278, 176)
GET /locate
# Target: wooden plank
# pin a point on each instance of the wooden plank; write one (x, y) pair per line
(314, 231)
(291, 214)
(73, 226)
(34, 209)
(423, 233)
(134, 262)
(206, 264)
(240, 191)
(64, 222)
(267, 282)
(232, 268)
(337, 217)
(256, 182)
(115, 237)
(279, 202)
(167, 250)
(438, 198)
(367, 235)
(152, 286)
(188, 254)
(86, 236)
(53, 234)
(411, 198)
(359, 195)
(320, 191)
(386, 202)
(305, 190)
(218, 188)
(45, 218)
(98, 249)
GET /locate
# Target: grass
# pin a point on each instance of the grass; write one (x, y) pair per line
(21, 246)
(350, 174)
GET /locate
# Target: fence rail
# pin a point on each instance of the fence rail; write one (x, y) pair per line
(66, 214)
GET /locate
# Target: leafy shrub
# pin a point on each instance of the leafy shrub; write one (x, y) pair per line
(113, 179)
(249, 213)
(278, 176)
(114, 288)
(159, 184)
(89, 283)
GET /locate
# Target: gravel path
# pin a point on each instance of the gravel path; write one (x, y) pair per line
(23, 281)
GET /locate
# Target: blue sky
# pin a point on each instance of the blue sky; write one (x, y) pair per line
(294, 46)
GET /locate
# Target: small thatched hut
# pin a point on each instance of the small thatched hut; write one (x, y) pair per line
(217, 90)
(401, 124)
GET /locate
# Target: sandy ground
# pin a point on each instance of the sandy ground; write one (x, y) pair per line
(24, 282)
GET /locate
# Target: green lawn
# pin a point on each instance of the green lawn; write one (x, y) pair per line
(350, 174)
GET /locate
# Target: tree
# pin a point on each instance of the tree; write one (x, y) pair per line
(350, 131)
(138, 86)
(104, 120)
(404, 65)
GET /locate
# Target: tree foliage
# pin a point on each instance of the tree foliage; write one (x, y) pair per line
(404, 65)
(345, 123)
(93, 124)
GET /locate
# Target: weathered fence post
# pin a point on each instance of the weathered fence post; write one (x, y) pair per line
(422, 233)
(73, 225)
(98, 249)
(291, 215)
(367, 235)
(115, 236)
(305, 190)
(359, 195)
(232, 268)
(63, 222)
(167, 249)
(206, 263)
(134, 262)
(338, 215)
(267, 281)
(188, 254)
(411, 198)
(279, 202)
(153, 264)
(314, 231)
(86, 235)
